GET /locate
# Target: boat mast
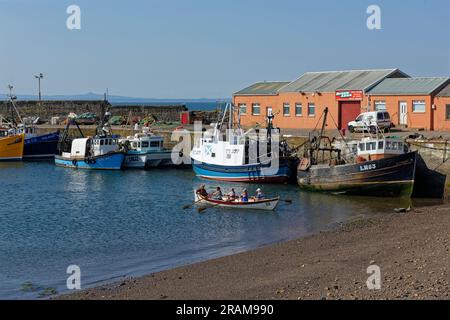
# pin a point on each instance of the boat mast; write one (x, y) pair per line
(314, 147)
(14, 108)
(324, 124)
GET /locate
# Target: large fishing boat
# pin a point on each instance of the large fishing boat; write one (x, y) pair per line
(39, 146)
(146, 150)
(227, 153)
(11, 145)
(36, 146)
(101, 152)
(373, 166)
(11, 139)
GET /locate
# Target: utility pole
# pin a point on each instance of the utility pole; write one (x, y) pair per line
(39, 77)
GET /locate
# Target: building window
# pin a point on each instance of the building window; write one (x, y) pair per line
(256, 109)
(242, 108)
(298, 110)
(418, 106)
(447, 112)
(286, 110)
(380, 105)
(311, 110)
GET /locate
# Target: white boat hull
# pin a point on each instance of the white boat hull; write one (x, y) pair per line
(266, 205)
(149, 160)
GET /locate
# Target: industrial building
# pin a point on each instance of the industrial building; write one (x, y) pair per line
(412, 102)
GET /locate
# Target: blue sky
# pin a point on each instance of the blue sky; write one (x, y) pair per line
(211, 48)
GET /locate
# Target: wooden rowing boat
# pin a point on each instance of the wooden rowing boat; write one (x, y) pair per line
(266, 204)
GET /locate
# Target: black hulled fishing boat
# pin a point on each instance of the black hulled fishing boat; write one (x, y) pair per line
(373, 166)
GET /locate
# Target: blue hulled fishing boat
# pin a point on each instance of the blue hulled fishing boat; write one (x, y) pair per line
(101, 152)
(227, 153)
(37, 146)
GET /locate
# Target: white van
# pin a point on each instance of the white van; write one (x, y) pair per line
(369, 121)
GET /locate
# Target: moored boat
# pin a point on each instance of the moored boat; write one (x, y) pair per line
(146, 150)
(101, 152)
(266, 204)
(227, 153)
(39, 146)
(36, 146)
(378, 167)
(11, 146)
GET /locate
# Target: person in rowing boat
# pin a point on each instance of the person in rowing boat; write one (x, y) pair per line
(244, 196)
(217, 195)
(202, 191)
(259, 195)
(232, 195)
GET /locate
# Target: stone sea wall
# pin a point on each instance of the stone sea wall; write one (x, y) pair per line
(436, 155)
(48, 109)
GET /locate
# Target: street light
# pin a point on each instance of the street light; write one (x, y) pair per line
(10, 87)
(39, 77)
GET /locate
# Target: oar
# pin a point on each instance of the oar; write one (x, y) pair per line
(190, 205)
(287, 200)
(200, 210)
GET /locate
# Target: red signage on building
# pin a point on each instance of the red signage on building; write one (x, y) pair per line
(346, 95)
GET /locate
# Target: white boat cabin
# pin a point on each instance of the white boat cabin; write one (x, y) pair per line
(30, 131)
(378, 148)
(145, 142)
(219, 148)
(97, 146)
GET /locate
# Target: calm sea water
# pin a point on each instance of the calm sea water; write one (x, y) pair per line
(130, 223)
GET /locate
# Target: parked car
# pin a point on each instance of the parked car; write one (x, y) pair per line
(369, 121)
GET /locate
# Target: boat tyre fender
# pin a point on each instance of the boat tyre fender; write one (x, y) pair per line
(90, 161)
(75, 163)
(304, 165)
(181, 154)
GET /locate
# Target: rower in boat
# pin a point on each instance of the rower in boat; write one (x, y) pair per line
(217, 195)
(232, 195)
(202, 191)
(242, 203)
(259, 195)
(244, 196)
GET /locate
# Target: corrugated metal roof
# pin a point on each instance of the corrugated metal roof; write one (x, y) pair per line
(445, 92)
(409, 86)
(340, 80)
(263, 88)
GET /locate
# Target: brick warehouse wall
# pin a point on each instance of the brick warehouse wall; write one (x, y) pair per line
(440, 121)
(48, 109)
(293, 121)
(415, 120)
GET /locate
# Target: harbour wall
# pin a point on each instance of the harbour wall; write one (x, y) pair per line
(45, 110)
(436, 156)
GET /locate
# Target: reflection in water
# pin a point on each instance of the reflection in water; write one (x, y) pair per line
(6, 165)
(113, 224)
